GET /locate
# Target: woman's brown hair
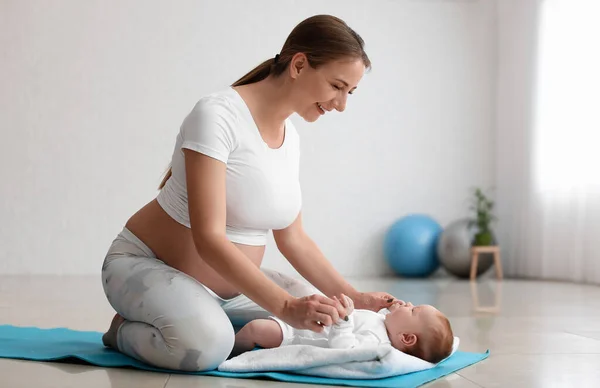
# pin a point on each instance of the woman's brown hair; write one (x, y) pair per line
(322, 38)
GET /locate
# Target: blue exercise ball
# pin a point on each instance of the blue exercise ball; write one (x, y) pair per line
(410, 245)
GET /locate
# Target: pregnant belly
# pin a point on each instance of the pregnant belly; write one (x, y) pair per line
(173, 243)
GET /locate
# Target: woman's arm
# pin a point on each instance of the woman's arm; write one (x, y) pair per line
(205, 179)
(306, 257)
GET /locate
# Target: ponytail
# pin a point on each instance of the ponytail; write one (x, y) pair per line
(166, 178)
(257, 74)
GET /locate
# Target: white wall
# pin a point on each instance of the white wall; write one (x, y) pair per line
(92, 94)
(518, 23)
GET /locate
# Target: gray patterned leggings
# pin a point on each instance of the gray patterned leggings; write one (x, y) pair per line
(172, 321)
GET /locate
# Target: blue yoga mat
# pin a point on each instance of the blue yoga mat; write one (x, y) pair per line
(32, 343)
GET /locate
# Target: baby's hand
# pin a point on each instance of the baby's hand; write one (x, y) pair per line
(345, 306)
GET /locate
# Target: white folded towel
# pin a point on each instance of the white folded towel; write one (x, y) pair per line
(373, 362)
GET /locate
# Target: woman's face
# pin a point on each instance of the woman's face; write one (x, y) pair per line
(318, 91)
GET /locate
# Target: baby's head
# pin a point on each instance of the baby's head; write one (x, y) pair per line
(421, 331)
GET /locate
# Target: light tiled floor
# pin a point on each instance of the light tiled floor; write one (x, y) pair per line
(545, 334)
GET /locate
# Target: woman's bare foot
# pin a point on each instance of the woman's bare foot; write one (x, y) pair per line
(110, 337)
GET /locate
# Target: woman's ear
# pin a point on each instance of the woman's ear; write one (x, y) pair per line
(298, 62)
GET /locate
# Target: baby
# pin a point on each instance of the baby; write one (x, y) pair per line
(421, 331)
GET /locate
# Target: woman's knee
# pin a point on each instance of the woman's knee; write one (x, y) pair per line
(177, 345)
(195, 324)
(197, 338)
(196, 331)
(202, 345)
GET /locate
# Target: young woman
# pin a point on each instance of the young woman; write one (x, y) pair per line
(186, 268)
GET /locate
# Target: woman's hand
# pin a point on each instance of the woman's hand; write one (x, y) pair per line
(374, 301)
(399, 303)
(310, 312)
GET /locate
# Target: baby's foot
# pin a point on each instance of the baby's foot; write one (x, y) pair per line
(109, 338)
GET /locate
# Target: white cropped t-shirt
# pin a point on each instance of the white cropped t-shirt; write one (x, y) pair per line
(263, 186)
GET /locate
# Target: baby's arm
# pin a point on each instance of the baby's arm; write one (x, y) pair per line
(265, 333)
(341, 335)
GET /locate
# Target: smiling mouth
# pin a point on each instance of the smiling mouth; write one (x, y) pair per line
(320, 108)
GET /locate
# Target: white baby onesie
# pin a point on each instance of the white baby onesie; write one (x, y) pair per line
(363, 328)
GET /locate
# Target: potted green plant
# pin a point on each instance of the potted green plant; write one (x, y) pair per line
(483, 207)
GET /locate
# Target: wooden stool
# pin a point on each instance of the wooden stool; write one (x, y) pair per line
(477, 250)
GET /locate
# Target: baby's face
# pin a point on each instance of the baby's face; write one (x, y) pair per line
(411, 319)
